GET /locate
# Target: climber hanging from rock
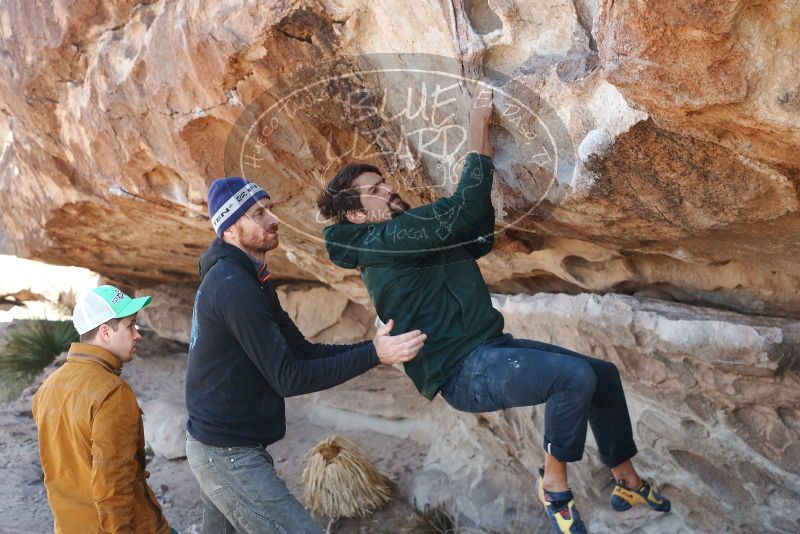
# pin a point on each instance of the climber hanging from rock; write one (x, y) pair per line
(419, 267)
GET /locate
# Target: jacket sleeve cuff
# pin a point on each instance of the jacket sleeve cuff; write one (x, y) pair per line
(477, 169)
(373, 355)
(473, 157)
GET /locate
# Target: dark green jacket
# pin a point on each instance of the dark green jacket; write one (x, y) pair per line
(420, 270)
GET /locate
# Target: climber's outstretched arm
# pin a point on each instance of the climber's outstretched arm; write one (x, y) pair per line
(478, 141)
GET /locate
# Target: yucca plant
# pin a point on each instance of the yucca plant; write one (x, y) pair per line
(29, 349)
(341, 482)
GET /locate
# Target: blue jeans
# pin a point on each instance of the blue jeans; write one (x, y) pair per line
(242, 492)
(504, 372)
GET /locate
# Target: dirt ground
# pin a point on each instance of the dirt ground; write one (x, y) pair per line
(158, 371)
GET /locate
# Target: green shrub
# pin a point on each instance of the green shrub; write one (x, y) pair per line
(30, 347)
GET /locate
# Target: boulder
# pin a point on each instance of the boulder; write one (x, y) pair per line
(165, 427)
(169, 314)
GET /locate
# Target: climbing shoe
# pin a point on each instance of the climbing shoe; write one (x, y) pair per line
(623, 498)
(560, 508)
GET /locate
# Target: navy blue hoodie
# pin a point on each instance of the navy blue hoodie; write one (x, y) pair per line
(246, 355)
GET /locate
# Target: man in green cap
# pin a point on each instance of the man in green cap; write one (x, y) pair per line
(91, 438)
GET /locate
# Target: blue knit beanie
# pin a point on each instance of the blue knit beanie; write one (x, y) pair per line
(229, 198)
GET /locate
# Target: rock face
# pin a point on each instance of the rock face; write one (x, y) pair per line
(712, 396)
(165, 427)
(646, 148)
(682, 176)
(325, 315)
(169, 313)
(736, 86)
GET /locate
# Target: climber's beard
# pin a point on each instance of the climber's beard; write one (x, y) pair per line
(397, 205)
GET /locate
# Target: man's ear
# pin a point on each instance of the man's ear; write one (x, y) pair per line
(102, 333)
(356, 216)
(230, 234)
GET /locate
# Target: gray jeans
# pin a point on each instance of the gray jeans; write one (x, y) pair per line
(242, 493)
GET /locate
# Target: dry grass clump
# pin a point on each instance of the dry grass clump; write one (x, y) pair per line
(341, 482)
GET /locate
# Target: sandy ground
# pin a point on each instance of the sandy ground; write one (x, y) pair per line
(158, 371)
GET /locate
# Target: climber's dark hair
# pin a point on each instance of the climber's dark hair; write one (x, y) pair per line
(339, 197)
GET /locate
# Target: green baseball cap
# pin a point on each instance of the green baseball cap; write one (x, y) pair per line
(102, 304)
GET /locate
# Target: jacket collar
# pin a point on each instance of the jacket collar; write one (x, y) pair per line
(85, 351)
(219, 249)
(263, 273)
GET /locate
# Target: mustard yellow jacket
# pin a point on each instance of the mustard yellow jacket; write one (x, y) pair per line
(91, 444)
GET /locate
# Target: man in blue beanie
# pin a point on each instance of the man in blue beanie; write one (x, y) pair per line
(245, 356)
